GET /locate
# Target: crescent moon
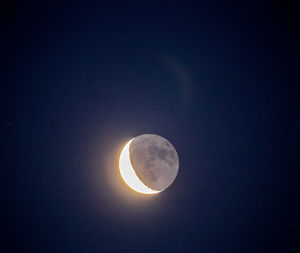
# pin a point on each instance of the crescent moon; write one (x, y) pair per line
(128, 174)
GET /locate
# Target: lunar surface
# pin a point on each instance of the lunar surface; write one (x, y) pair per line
(149, 163)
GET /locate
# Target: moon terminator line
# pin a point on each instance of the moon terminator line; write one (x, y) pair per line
(149, 164)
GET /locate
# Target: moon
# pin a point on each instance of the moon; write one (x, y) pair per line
(148, 163)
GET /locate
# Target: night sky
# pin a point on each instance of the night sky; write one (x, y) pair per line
(218, 80)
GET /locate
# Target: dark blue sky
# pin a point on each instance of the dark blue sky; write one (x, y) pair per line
(218, 80)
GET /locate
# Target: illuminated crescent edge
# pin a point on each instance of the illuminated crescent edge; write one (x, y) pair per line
(128, 174)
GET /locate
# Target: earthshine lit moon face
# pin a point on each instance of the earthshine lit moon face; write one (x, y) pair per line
(148, 164)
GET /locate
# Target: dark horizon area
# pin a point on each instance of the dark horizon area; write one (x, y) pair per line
(218, 80)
